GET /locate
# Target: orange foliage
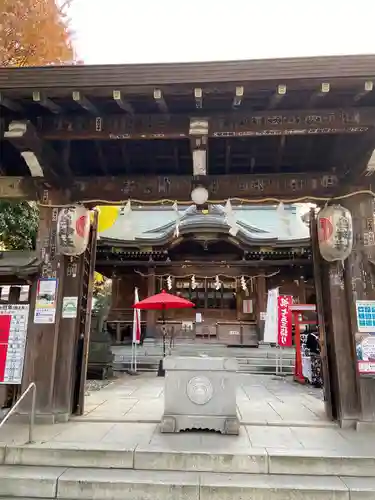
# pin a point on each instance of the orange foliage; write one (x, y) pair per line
(34, 33)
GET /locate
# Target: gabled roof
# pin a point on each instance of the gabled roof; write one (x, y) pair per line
(19, 263)
(257, 225)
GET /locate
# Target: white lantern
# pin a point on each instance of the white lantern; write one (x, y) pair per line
(199, 195)
(73, 230)
(335, 233)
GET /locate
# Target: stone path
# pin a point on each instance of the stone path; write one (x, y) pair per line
(261, 400)
(276, 414)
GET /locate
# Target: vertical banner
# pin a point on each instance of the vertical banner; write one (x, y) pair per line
(270, 326)
(136, 320)
(284, 320)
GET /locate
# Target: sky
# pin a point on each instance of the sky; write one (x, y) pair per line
(152, 31)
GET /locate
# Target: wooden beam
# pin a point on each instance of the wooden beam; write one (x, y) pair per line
(237, 124)
(125, 157)
(160, 101)
(279, 152)
(65, 160)
(368, 87)
(319, 94)
(277, 97)
(102, 158)
(238, 97)
(122, 103)
(41, 159)
(176, 157)
(9, 104)
(198, 96)
(227, 156)
(370, 167)
(18, 188)
(178, 187)
(45, 102)
(80, 99)
(225, 265)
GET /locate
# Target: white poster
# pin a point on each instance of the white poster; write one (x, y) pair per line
(270, 326)
(70, 305)
(13, 342)
(46, 299)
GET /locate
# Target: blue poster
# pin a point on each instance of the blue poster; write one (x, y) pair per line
(365, 315)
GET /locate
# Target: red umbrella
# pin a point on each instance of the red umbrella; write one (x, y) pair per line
(161, 302)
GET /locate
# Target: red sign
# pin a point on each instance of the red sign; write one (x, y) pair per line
(325, 229)
(284, 320)
(5, 321)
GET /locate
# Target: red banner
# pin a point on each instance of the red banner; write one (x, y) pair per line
(5, 320)
(284, 320)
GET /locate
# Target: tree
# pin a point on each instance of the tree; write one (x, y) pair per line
(34, 33)
(18, 225)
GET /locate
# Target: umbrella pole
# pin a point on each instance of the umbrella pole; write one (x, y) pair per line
(161, 371)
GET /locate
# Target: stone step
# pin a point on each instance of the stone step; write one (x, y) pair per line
(158, 457)
(233, 352)
(117, 484)
(241, 361)
(263, 362)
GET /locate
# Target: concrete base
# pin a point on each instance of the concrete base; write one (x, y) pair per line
(177, 423)
(200, 393)
(348, 423)
(41, 418)
(363, 426)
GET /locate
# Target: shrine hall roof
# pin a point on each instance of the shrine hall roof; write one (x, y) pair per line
(257, 225)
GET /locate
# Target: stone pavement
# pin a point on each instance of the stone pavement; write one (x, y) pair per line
(286, 449)
(261, 400)
(275, 414)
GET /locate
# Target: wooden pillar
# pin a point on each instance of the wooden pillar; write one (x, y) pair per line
(302, 290)
(70, 283)
(261, 304)
(341, 339)
(360, 283)
(51, 350)
(42, 339)
(151, 315)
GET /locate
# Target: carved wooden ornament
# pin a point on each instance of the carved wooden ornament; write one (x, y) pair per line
(335, 233)
(73, 230)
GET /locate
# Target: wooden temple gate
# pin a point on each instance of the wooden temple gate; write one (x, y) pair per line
(253, 131)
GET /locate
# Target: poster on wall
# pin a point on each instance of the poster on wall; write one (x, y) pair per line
(365, 351)
(46, 299)
(70, 305)
(270, 326)
(13, 332)
(284, 320)
(365, 310)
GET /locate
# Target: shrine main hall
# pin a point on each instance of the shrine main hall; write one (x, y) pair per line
(200, 148)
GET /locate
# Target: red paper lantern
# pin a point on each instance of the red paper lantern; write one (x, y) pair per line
(73, 230)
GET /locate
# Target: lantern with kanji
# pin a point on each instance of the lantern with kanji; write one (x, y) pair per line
(73, 230)
(335, 233)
